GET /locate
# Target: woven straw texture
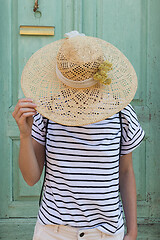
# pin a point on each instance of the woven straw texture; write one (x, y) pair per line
(72, 106)
(78, 59)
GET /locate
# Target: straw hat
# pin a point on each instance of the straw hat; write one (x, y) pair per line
(79, 80)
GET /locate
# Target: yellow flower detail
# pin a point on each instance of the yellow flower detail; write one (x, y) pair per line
(101, 75)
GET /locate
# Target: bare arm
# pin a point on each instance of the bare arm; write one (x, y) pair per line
(128, 194)
(32, 153)
(31, 160)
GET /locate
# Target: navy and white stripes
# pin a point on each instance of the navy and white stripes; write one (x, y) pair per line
(82, 173)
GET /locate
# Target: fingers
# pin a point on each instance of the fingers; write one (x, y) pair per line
(23, 118)
(23, 103)
(25, 112)
(24, 108)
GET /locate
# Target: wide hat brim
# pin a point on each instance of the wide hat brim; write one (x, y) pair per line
(72, 106)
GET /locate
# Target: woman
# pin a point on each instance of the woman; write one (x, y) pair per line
(84, 132)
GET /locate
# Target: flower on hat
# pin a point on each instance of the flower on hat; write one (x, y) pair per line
(101, 75)
(73, 34)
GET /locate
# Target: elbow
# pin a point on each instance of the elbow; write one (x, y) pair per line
(30, 178)
(31, 182)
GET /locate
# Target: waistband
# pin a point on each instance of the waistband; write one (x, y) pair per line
(81, 233)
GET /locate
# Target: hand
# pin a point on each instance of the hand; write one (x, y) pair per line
(129, 237)
(23, 114)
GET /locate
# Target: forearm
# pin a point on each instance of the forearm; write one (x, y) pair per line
(31, 154)
(28, 163)
(128, 195)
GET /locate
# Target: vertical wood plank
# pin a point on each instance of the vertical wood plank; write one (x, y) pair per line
(153, 99)
(5, 69)
(67, 16)
(77, 13)
(89, 17)
(100, 17)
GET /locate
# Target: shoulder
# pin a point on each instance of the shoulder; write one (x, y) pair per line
(39, 123)
(39, 128)
(132, 132)
(129, 112)
(129, 116)
(39, 120)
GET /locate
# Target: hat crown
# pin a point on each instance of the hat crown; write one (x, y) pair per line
(79, 57)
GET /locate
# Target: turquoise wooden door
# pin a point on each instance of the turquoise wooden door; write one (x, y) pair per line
(132, 26)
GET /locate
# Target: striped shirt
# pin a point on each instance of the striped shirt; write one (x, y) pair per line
(82, 170)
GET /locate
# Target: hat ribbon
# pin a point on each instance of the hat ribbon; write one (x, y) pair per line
(75, 84)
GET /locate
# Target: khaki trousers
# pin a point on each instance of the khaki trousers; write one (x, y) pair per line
(59, 232)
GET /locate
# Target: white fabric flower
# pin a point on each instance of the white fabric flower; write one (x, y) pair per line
(73, 34)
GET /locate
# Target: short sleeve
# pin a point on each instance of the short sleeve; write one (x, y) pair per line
(132, 132)
(39, 128)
